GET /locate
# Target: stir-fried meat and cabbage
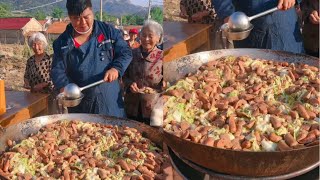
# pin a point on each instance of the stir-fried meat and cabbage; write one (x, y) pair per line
(247, 104)
(81, 150)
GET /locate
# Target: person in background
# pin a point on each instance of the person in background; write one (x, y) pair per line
(144, 73)
(277, 31)
(133, 33)
(202, 12)
(310, 31)
(38, 67)
(198, 11)
(89, 51)
(126, 36)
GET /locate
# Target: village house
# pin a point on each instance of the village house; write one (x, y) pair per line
(55, 29)
(16, 30)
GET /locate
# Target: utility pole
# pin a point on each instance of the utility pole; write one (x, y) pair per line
(149, 10)
(100, 10)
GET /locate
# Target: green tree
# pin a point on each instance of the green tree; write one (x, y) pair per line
(39, 15)
(157, 14)
(105, 17)
(139, 20)
(132, 20)
(57, 12)
(5, 10)
(125, 20)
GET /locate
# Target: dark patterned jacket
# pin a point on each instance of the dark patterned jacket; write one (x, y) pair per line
(39, 73)
(194, 6)
(147, 72)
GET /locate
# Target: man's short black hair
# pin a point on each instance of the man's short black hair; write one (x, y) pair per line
(76, 7)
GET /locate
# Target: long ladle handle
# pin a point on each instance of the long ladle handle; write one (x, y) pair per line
(263, 13)
(91, 85)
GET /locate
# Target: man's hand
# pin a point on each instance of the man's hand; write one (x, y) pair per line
(314, 17)
(134, 88)
(111, 75)
(286, 4)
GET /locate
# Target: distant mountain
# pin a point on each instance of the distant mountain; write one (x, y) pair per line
(112, 7)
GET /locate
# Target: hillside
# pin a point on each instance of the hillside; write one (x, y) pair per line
(112, 7)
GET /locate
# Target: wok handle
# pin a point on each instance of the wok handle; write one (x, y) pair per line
(91, 85)
(263, 13)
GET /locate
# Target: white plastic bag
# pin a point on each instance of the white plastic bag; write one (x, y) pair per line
(156, 118)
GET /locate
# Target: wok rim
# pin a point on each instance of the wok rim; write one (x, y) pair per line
(196, 166)
(280, 52)
(231, 150)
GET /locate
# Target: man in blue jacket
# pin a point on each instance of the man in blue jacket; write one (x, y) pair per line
(86, 52)
(278, 31)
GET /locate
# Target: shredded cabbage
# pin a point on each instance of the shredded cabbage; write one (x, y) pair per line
(23, 164)
(215, 133)
(268, 145)
(255, 146)
(281, 131)
(263, 124)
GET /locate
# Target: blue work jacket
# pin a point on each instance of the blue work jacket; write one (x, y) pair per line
(87, 64)
(278, 31)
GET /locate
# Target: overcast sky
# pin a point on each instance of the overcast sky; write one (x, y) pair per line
(146, 2)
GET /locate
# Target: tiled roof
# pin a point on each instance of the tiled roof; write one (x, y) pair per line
(14, 23)
(57, 28)
(42, 22)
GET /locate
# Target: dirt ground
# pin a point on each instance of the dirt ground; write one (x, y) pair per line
(172, 10)
(12, 66)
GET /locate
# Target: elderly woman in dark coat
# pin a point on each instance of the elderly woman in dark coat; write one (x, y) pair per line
(144, 73)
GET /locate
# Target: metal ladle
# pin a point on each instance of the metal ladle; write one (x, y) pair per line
(73, 91)
(239, 21)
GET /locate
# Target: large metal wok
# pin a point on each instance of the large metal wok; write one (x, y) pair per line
(256, 164)
(22, 130)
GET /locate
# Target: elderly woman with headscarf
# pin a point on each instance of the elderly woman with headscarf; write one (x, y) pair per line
(144, 75)
(37, 72)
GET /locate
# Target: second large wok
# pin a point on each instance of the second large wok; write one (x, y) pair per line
(254, 164)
